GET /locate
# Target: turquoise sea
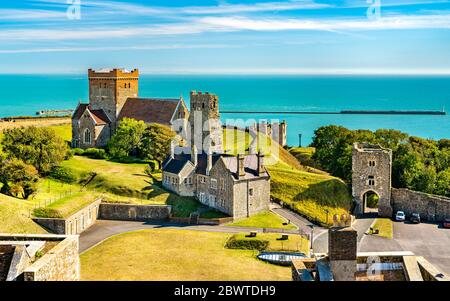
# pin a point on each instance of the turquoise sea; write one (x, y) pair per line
(26, 94)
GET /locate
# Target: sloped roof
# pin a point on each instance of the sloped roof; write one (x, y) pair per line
(174, 165)
(99, 116)
(80, 110)
(150, 110)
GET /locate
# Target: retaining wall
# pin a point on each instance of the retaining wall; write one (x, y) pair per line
(430, 207)
(74, 224)
(130, 212)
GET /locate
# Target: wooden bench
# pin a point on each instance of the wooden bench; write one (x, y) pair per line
(253, 234)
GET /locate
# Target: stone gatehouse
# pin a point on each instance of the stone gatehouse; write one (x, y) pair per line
(372, 172)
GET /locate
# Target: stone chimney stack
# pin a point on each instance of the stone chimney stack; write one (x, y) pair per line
(240, 165)
(342, 253)
(194, 155)
(261, 169)
(172, 149)
(209, 163)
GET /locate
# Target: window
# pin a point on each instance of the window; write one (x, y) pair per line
(87, 136)
(371, 181)
(222, 184)
(250, 192)
(129, 85)
(372, 163)
(213, 183)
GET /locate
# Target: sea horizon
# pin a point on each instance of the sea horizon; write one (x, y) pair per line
(264, 93)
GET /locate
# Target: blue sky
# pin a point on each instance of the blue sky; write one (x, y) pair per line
(226, 37)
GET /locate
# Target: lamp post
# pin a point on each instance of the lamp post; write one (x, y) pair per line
(327, 211)
(312, 239)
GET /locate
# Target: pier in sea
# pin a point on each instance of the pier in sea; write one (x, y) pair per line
(347, 112)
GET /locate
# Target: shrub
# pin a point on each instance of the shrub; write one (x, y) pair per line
(78, 151)
(63, 174)
(95, 153)
(246, 243)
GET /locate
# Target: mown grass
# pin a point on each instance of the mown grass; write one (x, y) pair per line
(179, 255)
(311, 195)
(385, 227)
(266, 219)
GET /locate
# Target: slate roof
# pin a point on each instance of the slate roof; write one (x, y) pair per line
(150, 110)
(176, 164)
(99, 116)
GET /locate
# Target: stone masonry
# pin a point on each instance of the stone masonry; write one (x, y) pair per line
(371, 172)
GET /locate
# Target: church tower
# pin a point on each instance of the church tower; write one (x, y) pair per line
(204, 120)
(110, 88)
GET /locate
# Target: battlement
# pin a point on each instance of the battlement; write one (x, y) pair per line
(204, 94)
(113, 73)
(367, 147)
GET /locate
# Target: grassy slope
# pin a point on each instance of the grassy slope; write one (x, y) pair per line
(14, 216)
(174, 255)
(310, 194)
(265, 219)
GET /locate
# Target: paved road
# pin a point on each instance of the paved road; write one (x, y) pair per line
(427, 240)
(104, 229)
(361, 225)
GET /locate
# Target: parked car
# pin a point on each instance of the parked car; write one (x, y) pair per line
(446, 223)
(400, 216)
(415, 218)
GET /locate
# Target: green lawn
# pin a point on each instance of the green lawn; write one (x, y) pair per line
(311, 195)
(304, 155)
(265, 219)
(385, 227)
(165, 254)
(67, 206)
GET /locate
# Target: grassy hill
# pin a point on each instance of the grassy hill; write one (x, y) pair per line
(305, 190)
(14, 216)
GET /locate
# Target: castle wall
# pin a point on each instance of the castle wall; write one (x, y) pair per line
(128, 212)
(430, 207)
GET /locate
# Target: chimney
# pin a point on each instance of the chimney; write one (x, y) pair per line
(209, 163)
(240, 166)
(172, 149)
(194, 155)
(261, 169)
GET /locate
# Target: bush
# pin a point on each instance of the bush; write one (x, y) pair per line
(95, 153)
(78, 151)
(63, 174)
(246, 243)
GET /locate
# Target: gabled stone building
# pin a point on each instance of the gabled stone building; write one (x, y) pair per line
(113, 95)
(236, 185)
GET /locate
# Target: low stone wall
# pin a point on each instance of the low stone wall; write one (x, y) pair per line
(74, 224)
(59, 264)
(432, 208)
(129, 212)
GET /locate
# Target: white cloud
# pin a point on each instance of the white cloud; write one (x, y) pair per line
(118, 48)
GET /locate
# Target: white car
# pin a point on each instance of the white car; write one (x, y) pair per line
(400, 216)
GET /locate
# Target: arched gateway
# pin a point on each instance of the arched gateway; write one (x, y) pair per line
(371, 178)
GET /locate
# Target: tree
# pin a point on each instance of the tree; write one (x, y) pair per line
(127, 138)
(17, 178)
(156, 143)
(443, 183)
(40, 147)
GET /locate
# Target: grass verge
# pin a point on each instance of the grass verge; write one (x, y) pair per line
(265, 219)
(385, 227)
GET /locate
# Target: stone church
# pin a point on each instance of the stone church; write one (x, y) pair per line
(113, 95)
(235, 185)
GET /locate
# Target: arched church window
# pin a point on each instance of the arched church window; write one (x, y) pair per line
(87, 136)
